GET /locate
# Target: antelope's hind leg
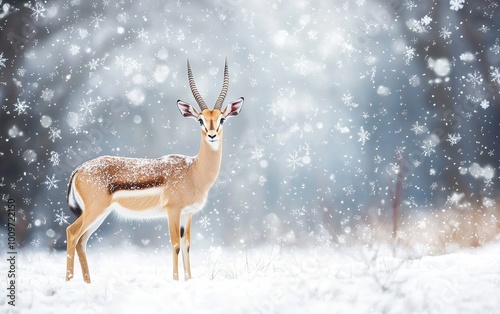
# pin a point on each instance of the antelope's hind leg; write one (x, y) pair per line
(185, 233)
(77, 236)
(73, 234)
(81, 246)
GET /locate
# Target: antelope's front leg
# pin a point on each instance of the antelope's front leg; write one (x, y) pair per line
(173, 226)
(185, 233)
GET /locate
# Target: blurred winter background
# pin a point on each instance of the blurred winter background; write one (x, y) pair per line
(363, 121)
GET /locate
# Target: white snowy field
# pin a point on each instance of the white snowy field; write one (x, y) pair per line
(264, 280)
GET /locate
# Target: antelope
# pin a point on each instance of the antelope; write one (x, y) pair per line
(172, 186)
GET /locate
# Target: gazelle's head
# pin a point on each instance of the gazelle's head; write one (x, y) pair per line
(211, 121)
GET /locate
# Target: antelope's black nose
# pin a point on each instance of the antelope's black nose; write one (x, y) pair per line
(212, 136)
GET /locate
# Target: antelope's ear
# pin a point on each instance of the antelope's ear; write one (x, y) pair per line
(234, 108)
(187, 110)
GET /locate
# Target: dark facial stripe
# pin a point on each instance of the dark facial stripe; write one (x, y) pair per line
(212, 125)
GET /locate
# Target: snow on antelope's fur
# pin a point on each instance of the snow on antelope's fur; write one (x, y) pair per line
(264, 280)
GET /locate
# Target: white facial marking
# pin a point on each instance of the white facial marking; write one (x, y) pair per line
(214, 144)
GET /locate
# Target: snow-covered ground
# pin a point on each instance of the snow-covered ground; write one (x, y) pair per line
(264, 280)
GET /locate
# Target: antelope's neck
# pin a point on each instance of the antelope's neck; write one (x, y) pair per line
(207, 166)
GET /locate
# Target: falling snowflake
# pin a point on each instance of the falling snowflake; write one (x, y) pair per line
(21, 71)
(47, 94)
(454, 138)
(312, 35)
(378, 159)
(418, 129)
(484, 104)
(2, 60)
(349, 190)
(205, 222)
(298, 212)
(456, 4)
(348, 100)
(125, 63)
(428, 147)
(143, 35)
(20, 107)
(262, 180)
(96, 19)
(181, 36)
(420, 26)
(474, 78)
(409, 54)
(257, 153)
(51, 182)
(495, 75)
(294, 161)
(74, 50)
(300, 65)
(414, 80)
(87, 107)
(363, 136)
(496, 47)
(54, 158)
(445, 33)
(484, 29)
(61, 218)
(38, 10)
(54, 134)
(35, 242)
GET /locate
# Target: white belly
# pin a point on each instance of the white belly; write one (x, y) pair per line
(139, 204)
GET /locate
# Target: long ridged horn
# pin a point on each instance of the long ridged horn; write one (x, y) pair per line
(225, 86)
(194, 90)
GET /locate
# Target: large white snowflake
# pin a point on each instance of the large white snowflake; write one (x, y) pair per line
(47, 94)
(418, 128)
(445, 33)
(454, 138)
(414, 80)
(61, 218)
(205, 222)
(38, 10)
(496, 47)
(54, 158)
(87, 107)
(348, 100)
(51, 182)
(300, 65)
(2, 60)
(428, 147)
(294, 161)
(20, 107)
(475, 78)
(54, 134)
(456, 4)
(495, 75)
(257, 153)
(363, 136)
(409, 54)
(96, 19)
(484, 104)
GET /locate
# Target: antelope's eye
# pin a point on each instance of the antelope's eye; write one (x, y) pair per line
(201, 122)
(222, 121)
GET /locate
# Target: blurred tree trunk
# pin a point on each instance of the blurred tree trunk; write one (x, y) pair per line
(14, 35)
